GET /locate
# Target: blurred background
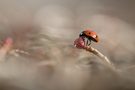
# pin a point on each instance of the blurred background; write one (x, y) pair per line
(43, 56)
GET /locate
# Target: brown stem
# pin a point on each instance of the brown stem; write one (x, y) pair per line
(100, 55)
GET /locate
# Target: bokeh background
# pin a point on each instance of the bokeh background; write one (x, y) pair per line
(43, 32)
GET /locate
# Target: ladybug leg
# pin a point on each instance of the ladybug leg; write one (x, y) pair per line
(87, 41)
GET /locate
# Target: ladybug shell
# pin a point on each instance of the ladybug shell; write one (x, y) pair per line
(91, 35)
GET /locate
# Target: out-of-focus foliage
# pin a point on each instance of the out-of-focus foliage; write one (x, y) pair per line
(43, 56)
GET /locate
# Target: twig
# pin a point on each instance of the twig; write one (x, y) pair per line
(100, 55)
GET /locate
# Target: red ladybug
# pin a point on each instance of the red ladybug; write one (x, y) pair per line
(90, 36)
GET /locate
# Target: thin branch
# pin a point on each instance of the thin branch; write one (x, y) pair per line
(101, 56)
(106, 60)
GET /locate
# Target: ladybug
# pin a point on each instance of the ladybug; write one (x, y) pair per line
(89, 36)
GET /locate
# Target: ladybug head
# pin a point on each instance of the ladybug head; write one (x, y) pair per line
(91, 35)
